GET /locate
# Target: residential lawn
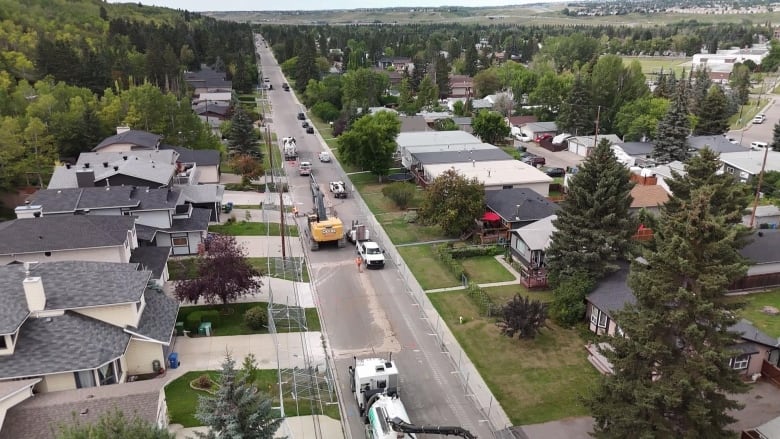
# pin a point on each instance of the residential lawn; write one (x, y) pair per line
(402, 232)
(247, 206)
(182, 399)
(231, 320)
(654, 64)
(245, 228)
(503, 294)
(534, 381)
(427, 268)
(182, 268)
(485, 269)
(275, 151)
(512, 150)
(753, 303)
(262, 265)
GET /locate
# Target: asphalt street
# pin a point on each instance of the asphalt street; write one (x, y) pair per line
(369, 313)
(759, 132)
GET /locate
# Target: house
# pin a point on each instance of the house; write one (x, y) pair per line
(397, 63)
(394, 76)
(222, 98)
(527, 245)
(128, 140)
(11, 394)
(152, 168)
(207, 80)
(665, 172)
(768, 430)
(154, 259)
(206, 162)
(464, 124)
(40, 416)
(519, 121)
(718, 144)
(185, 234)
(519, 207)
(411, 124)
(746, 164)
(207, 111)
(763, 252)
(612, 294)
(409, 142)
(649, 197)
(420, 159)
(640, 153)
(583, 145)
(495, 175)
(765, 217)
(461, 86)
(78, 324)
(68, 238)
(731, 56)
(538, 129)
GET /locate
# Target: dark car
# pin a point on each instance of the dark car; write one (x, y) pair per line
(305, 124)
(286, 87)
(310, 129)
(301, 116)
(554, 172)
(533, 159)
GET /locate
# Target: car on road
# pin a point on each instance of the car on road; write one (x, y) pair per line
(523, 137)
(539, 138)
(732, 140)
(304, 168)
(266, 79)
(301, 116)
(325, 157)
(553, 172)
(760, 118)
(310, 129)
(286, 86)
(533, 159)
(305, 124)
(758, 146)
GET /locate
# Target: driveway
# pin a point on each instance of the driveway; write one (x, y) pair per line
(560, 159)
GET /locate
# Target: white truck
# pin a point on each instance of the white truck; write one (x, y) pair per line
(290, 148)
(372, 255)
(373, 376)
(338, 189)
(304, 168)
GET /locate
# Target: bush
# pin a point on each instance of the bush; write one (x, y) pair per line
(568, 306)
(471, 251)
(192, 322)
(325, 111)
(256, 318)
(401, 193)
(203, 382)
(210, 316)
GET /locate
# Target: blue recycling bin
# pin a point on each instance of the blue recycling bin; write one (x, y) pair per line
(173, 360)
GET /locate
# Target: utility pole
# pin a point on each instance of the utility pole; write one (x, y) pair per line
(277, 187)
(758, 188)
(598, 117)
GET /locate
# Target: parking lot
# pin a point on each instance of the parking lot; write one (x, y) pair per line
(560, 159)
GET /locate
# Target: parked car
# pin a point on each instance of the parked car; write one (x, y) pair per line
(533, 159)
(732, 140)
(310, 129)
(305, 124)
(538, 139)
(523, 137)
(758, 146)
(760, 118)
(325, 157)
(301, 116)
(554, 172)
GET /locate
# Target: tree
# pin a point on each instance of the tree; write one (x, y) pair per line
(522, 316)
(776, 138)
(673, 376)
(701, 86)
(242, 80)
(713, 114)
(453, 202)
(549, 92)
(503, 104)
(638, 120)
(325, 111)
(471, 57)
(247, 166)
(594, 224)
(401, 193)
(237, 410)
(490, 127)
(568, 306)
(112, 425)
(370, 142)
(223, 274)
(446, 124)
(486, 83)
(671, 138)
(575, 116)
(427, 93)
(406, 102)
(241, 135)
(442, 70)
(567, 52)
(362, 88)
(740, 83)
(306, 67)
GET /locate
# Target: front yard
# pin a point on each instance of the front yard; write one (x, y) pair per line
(535, 381)
(248, 228)
(186, 268)
(427, 268)
(182, 399)
(231, 318)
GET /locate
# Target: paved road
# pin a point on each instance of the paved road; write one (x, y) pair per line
(369, 313)
(761, 132)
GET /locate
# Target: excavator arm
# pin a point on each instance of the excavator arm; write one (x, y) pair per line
(404, 427)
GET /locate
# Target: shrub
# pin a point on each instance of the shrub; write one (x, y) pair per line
(192, 322)
(471, 251)
(203, 382)
(210, 316)
(256, 318)
(325, 111)
(568, 306)
(401, 193)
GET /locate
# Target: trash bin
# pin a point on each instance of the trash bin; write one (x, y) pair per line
(179, 328)
(205, 329)
(173, 360)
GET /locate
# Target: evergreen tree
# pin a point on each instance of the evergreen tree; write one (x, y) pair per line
(237, 410)
(471, 59)
(306, 67)
(673, 375)
(713, 113)
(594, 224)
(418, 73)
(699, 90)
(575, 116)
(242, 81)
(671, 136)
(427, 94)
(776, 138)
(442, 69)
(241, 135)
(113, 424)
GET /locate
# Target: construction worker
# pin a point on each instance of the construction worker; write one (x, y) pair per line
(295, 212)
(359, 263)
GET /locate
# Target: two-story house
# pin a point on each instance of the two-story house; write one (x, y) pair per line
(78, 324)
(527, 246)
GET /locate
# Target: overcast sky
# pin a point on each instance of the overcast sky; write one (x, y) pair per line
(277, 5)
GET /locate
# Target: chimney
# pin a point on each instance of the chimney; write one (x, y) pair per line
(120, 130)
(33, 292)
(85, 178)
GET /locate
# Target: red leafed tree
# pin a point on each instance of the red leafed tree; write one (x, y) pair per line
(223, 274)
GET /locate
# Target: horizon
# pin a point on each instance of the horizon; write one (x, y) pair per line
(316, 5)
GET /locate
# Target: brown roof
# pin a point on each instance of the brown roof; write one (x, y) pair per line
(461, 80)
(522, 120)
(40, 416)
(648, 196)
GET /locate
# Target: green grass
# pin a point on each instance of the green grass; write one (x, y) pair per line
(231, 320)
(244, 228)
(262, 265)
(182, 399)
(485, 269)
(402, 232)
(534, 381)
(655, 64)
(753, 303)
(427, 268)
(748, 111)
(505, 293)
(277, 155)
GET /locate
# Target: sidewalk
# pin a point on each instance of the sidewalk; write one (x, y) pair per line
(500, 260)
(270, 246)
(299, 427)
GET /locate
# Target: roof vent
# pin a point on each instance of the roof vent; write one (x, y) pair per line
(105, 164)
(108, 188)
(86, 165)
(124, 157)
(67, 165)
(116, 168)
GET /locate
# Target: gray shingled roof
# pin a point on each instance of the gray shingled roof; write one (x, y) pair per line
(39, 417)
(69, 285)
(477, 155)
(65, 343)
(202, 157)
(763, 249)
(637, 148)
(151, 258)
(151, 165)
(715, 143)
(135, 137)
(747, 331)
(159, 318)
(72, 199)
(202, 193)
(612, 293)
(145, 233)
(63, 232)
(533, 206)
(198, 221)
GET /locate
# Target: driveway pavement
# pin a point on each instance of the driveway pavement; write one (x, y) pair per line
(560, 159)
(269, 246)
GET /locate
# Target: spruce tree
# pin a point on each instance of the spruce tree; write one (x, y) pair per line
(701, 86)
(241, 136)
(306, 67)
(671, 136)
(594, 224)
(672, 377)
(713, 113)
(237, 410)
(776, 138)
(575, 116)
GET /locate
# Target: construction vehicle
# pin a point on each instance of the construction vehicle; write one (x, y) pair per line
(387, 419)
(290, 149)
(358, 232)
(373, 376)
(323, 229)
(401, 426)
(338, 189)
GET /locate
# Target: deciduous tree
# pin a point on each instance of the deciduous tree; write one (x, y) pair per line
(370, 142)
(576, 115)
(112, 425)
(490, 126)
(522, 316)
(639, 119)
(453, 202)
(486, 82)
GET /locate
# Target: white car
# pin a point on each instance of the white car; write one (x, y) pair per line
(758, 146)
(760, 118)
(325, 157)
(523, 137)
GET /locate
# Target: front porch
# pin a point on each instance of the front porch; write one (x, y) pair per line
(533, 278)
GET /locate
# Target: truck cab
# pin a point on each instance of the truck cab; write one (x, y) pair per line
(304, 168)
(372, 255)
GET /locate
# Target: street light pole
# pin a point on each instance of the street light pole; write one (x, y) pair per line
(758, 188)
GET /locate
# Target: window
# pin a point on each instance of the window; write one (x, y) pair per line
(180, 241)
(107, 374)
(506, 186)
(740, 362)
(3, 344)
(85, 378)
(602, 320)
(594, 315)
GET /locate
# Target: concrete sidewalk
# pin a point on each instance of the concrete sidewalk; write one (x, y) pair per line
(299, 427)
(270, 246)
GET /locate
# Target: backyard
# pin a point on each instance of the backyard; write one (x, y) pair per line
(231, 318)
(432, 273)
(535, 381)
(182, 399)
(753, 310)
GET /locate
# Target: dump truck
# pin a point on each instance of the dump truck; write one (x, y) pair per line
(322, 228)
(338, 189)
(358, 232)
(290, 148)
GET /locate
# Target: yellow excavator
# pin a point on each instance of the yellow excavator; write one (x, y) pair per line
(323, 229)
